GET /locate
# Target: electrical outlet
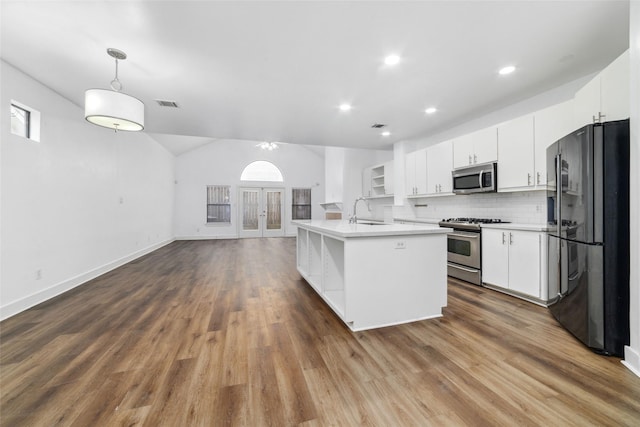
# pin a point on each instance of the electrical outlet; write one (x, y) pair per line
(401, 244)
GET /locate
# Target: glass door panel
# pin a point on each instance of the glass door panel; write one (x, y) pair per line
(250, 210)
(273, 211)
(261, 212)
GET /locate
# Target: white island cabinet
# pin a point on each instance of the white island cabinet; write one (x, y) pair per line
(375, 275)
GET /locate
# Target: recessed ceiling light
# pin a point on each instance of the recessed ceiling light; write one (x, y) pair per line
(507, 70)
(385, 133)
(431, 110)
(392, 59)
(345, 107)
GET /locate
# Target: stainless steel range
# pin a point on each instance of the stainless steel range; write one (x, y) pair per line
(464, 248)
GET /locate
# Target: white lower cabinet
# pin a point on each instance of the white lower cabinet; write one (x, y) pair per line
(515, 261)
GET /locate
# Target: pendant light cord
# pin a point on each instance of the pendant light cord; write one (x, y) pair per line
(115, 83)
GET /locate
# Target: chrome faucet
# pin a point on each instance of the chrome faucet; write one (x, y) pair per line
(354, 218)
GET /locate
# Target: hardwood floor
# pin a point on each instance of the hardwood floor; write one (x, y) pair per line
(225, 332)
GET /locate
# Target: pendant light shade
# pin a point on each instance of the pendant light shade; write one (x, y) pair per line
(111, 108)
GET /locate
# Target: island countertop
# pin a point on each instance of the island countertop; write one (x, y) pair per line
(344, 229)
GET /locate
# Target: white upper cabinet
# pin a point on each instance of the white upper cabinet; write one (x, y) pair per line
(415, 168)
(462, 151)
(475, 148)
(587, 103)
(522, 146)
(439, 166)
(615, 89)
(550, 125)
(606, 96)
(516, 165)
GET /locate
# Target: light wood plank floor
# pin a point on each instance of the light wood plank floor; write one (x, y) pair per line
(225, 332)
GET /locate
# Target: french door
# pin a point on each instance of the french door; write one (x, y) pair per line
(261, 212)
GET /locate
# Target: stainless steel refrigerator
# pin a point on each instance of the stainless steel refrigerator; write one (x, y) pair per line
(588, 215)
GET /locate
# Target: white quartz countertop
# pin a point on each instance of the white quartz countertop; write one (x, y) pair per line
(419, 220)
(341, 228)
(517, 226)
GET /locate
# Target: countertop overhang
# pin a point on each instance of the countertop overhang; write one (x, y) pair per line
(345, 229)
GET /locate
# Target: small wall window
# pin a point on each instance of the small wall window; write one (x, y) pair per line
(218, 204)
(25, 121)
(301, 203)
(20, 121)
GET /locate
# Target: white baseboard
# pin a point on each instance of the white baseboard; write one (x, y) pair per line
(231, 236)
(218, 237)
(632, 360)
(15, 307)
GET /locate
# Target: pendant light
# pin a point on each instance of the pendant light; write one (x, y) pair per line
(111, 108)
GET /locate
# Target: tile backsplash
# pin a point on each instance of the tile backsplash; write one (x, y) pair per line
(527, 207)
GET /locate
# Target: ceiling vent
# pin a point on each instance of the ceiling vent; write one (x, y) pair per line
(170, 104)
(378, 125)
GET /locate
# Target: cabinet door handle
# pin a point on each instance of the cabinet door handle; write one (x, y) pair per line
(537, 178)
(475, 159)
(503, 238)
(511, 238)
(469, 158)
(528, 179)
(439, 188)
(600, 117)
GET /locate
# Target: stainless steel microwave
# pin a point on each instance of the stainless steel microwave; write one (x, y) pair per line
(475, 179)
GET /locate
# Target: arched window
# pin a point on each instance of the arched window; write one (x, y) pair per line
(261, 170)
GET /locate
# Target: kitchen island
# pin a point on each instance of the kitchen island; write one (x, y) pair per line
(375, 275)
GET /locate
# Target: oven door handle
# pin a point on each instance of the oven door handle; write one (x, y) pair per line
(474, 236)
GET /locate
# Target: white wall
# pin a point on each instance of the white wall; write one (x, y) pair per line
(632, 352)
(78, 203)
(528, 106)
(344, 175)
(221, 163)
(334, 159)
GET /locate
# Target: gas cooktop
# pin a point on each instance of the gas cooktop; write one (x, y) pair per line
(474, 220)
(469, 223)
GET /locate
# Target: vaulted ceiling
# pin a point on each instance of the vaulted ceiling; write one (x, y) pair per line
(277, 71)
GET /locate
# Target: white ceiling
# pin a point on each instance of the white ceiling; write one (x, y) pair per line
(277, 71)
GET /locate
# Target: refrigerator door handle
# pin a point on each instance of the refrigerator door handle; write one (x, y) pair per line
(558, 193)
(559, 222)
